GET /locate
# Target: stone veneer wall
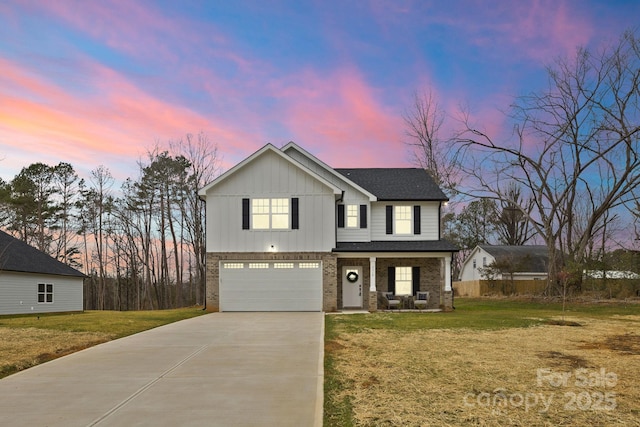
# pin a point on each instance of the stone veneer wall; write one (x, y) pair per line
(329, 273)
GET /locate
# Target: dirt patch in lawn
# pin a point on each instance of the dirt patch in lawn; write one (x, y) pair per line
(539, 376)
(21, 348)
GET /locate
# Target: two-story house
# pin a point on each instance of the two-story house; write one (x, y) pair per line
(286, 232)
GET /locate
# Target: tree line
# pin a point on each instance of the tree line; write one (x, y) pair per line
(142, 245)
(568, 176)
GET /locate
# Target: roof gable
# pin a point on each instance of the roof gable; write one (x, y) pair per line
(269, 148)
(16, 255)
(396, 183)
(293, 147)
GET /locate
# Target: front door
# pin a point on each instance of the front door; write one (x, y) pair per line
(352, 287)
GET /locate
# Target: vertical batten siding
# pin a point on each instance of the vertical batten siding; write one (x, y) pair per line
(270, 176)
(23, 287)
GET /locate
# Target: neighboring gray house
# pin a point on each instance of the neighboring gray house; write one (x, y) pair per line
(524, 262)
(33, 282)
(286, 232)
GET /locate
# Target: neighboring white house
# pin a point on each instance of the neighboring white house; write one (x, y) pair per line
(525, 262)
(33, 282)
(286, 232)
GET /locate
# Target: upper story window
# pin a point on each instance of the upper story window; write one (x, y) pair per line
(402, 215)
(352, 216)
(270, 214)
(403, 220)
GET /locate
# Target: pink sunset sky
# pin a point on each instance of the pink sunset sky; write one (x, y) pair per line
(101, 82)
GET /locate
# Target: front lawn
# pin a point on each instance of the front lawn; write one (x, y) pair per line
(490, 362)
(28, 340)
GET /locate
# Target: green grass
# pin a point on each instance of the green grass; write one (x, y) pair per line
(35, 339)
(482, 314)
(117, 323)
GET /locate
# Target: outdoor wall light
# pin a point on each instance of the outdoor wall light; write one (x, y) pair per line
(273, 248)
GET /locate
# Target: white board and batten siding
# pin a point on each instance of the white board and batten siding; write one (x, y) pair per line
(271, 285)
(20, 293)
(270, 176)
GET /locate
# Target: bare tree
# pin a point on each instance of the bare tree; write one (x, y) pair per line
(512, 225)
(424, 122)
(576, 141)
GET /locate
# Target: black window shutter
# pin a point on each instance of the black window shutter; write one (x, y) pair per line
(363, 216)
(389, 219)
(416, 220)
(415, 277)
(391, 273)
(245, 214)
(295, 218)
(340, 216)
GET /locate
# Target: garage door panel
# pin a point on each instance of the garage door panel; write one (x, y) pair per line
(296, 287)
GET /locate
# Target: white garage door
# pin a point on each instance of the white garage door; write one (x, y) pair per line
(270, 286)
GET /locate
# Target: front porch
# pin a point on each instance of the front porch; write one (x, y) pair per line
(363, 278)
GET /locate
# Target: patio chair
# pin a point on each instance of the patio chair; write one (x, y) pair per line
(390, 300)
(421, 300)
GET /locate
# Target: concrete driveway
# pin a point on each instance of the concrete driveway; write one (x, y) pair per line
(221, 369)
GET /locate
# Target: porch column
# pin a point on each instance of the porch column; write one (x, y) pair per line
(447, 273)
(372, 274)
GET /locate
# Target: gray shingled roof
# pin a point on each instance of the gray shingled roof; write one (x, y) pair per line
(532, 259)
(16, 255)
(396, 183)
(397, 246)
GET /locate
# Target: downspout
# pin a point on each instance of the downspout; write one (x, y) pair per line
(204, 305)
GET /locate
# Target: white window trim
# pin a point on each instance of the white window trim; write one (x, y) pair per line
(399, 222)
(270, 213)
(404, 280)
(352, 213)
(45, 293)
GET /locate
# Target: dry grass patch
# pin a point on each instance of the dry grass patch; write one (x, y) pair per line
(25, 347)
(544, 375)
(28, 340)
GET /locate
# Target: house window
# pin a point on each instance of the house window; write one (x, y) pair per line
(260, 214)
(484, 261)
(270, 214)
(404, 281)
(402, 215)
(279, 214)
(352, 216)
(45, 293)
(474, 264)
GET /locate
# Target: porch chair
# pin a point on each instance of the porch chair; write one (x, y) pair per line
(421, 300)
(390, 300)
